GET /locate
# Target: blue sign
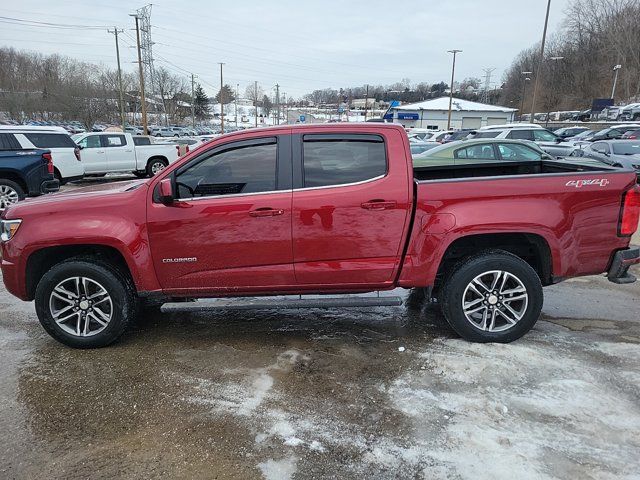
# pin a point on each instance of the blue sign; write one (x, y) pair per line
(408, 116)
(302, 118)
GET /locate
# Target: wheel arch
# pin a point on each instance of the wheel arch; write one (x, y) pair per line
(40, 261)
(532, 248)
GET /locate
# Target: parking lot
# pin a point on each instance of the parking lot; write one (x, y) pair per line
(369, 393)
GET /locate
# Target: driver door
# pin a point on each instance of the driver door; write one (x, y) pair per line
(230, 227)
(93, 154)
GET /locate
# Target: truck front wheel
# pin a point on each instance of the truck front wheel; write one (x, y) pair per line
(493, 296)
(85, 304)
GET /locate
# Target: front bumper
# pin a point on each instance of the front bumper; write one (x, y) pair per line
(622, 260)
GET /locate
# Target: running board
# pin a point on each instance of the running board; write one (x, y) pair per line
(264, 303)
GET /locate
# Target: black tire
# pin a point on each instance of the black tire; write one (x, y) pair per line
(154, 163)
(10, 193)
(118, 286)
(457, 285)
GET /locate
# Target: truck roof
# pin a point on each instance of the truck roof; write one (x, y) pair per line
(369, 126)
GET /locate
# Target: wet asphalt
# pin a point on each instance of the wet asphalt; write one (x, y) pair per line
(368, 393)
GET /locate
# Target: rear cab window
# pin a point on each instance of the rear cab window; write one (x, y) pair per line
(520, 134)
(330, 160)
(50, 140)
(113, 141)
(9, 142)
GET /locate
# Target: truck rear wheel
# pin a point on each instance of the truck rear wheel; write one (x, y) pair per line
(85, 304)
(493, 296)
(10, 193)
(156, 165)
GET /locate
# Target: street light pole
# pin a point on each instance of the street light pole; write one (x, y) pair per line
(540, 62)
(453, 70)
(615, 80)
(221, 100)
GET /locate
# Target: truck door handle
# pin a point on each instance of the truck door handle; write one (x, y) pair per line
(266, 212)
(378, 204)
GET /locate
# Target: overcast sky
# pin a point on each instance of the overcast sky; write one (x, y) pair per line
(300, 44)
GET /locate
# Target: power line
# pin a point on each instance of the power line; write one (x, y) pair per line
(35, 23)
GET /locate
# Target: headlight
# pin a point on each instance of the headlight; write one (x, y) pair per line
(8, 229)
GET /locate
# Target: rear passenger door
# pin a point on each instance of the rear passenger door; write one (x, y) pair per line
(351, 204)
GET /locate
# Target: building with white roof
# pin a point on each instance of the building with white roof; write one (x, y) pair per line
(464, 114)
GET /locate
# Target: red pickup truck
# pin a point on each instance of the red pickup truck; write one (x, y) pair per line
(320, 209)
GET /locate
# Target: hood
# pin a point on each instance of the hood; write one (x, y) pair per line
(55, 201)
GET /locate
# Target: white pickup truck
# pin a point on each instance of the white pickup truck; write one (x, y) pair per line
(106, 152)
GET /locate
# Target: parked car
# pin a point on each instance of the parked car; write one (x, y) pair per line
(569, 132)
(457, 135)
(23, 173)
(481, 152)
(319, 209)
(134, 130)
(630, 112)
(620, 153)
(549, 142)
(631, 134)
(163, 132)
(64, 152)
(105, 152)
(613, 133)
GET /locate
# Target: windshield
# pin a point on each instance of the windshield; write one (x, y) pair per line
(627, 148)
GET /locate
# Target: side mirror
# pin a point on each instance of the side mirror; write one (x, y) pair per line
(166, 191)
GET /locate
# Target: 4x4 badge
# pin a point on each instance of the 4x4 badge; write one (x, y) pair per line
(601, 182)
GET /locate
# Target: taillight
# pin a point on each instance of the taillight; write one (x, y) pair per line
(186, 150)
(47, 158)
(630, 214)
(76, 152)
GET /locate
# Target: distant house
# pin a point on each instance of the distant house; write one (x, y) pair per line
(464, 114)
(359, 103)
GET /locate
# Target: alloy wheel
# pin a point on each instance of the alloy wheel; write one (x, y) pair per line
(495, 301)
(81, 306)
(8, 196)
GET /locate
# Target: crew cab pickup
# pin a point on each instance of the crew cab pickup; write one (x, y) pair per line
(106, 152)
(320, 209)
(24, 172)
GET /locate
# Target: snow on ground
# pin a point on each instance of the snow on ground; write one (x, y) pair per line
(548, 406)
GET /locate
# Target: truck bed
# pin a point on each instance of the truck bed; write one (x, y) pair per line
(501, 169)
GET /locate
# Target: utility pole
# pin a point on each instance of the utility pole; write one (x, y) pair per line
(143, 105)
(221, 100)
(277, 104)
(615, 80)
(366, 102)
(193, 100)
(453, 70)
(122, 116)
(540, 63)
(255, 103)
(524, 88)
(237, 87)
(284, 106)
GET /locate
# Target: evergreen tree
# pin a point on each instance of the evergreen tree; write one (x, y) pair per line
(228, 94)
(201, 103)
(267, 105)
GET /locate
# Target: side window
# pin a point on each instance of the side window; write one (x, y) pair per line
(50, 140)
(9, 142)
(336, 162)
(249, 169)
(541, 135)
(483, 151)
(600, 147)
(520, 134)
(113, 140)
(92, 141)
(515, 152)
